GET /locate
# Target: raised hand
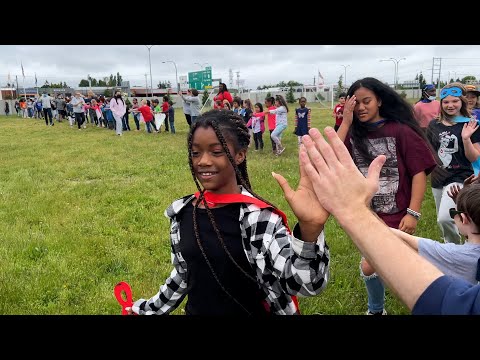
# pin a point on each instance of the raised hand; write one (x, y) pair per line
(348, 109)
(469, 128)
(304, 202)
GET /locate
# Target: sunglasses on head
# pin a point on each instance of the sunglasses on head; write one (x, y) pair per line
(453, 212)
(454, 91)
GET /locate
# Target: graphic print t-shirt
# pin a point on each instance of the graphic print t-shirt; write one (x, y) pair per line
(407, 154)
(447, 142)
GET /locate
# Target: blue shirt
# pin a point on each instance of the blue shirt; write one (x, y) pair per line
(449, 296)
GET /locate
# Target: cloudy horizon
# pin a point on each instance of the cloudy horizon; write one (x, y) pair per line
(256, 65)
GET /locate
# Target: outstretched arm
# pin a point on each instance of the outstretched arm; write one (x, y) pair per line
(410, 240)
(343, 191)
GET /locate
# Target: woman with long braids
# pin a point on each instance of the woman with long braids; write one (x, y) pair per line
(232, 251)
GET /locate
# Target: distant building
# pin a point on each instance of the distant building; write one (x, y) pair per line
(411, 84)
(8, 93)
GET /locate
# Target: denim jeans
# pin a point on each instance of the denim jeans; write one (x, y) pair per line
(172, 125)
(375, 291)
(277, 133)
(137, 122)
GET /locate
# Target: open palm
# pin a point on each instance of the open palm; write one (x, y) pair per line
(303, 202)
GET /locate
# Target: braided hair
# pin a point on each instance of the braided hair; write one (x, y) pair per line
(227, 126)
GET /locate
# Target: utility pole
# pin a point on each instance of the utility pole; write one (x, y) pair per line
(230, 77)
(146, 85)
(238, 82)
(150, 62)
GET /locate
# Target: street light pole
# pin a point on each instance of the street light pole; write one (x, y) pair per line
(150, 62)
(176, 73)
(396, 69)
(395, 61)
(201, 65)
(345, 78)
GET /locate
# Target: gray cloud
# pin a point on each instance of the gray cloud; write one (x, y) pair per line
(257, 64)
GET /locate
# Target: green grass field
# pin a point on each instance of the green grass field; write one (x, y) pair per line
(82, 210)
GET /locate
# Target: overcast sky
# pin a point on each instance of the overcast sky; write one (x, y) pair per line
(256, 64)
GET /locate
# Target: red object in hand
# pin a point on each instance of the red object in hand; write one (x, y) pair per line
(123, 286)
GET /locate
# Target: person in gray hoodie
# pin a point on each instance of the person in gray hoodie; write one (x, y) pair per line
(194, 102)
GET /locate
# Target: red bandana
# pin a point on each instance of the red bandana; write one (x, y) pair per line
(213, 199)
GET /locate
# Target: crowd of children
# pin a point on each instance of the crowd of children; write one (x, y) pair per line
(372, 120)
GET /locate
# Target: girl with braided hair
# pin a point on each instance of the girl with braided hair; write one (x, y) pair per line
(232, 251)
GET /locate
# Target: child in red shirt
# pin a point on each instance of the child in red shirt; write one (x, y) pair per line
(338, 110)
(147, 114)
(165, 107)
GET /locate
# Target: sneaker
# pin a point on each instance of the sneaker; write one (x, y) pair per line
(383, 312)
(281, 150)
(84, 126)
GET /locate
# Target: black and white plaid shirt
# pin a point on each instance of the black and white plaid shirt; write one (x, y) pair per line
(284, 265)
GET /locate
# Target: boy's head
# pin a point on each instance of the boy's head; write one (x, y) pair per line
(467, 216)
(155, 102)
(342, 97)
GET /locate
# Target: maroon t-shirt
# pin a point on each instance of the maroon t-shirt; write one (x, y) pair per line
(407, 155)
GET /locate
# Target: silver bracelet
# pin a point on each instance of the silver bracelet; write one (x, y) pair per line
(415, 214)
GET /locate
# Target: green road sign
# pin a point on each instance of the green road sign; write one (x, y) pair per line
(199, 79)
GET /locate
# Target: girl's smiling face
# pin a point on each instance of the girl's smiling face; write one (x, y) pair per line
(211, 164)
(452, 105)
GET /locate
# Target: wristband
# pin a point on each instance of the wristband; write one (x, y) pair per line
(415, 214)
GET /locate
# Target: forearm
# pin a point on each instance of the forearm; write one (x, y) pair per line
(408, 239)
(343, 130)
(403, 271)
(419, 186)
(471, 152)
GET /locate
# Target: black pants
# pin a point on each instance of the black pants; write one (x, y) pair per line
(336, 127)
(126, 125)
(166, 121)
(80, 119)
(274, 145)
(47, 111)
(258, 138)
(189, 119)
